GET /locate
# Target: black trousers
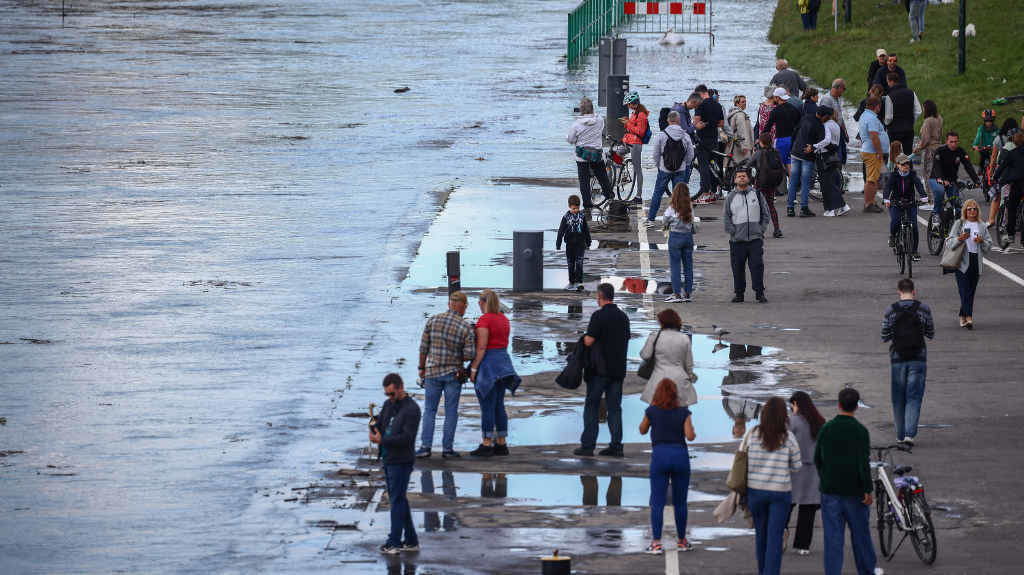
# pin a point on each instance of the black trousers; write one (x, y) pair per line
(906, 140)
(831, 197)
(574, 258)
(743, 255)
(583, 170)
(1016, 191)
(704, 160)
(804, 524)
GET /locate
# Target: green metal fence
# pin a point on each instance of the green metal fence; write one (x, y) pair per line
(587, 23)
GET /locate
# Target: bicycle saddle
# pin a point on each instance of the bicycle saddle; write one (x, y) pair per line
(901, 470)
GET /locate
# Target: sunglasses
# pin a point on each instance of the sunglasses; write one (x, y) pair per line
(972, 209)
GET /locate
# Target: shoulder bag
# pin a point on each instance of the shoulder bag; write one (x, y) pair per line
(737, 479)
(647, 367)
(952, 257)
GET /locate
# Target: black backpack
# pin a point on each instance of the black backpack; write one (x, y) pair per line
(907, 331)
(663, 118)
(770, 171)
(673, 154)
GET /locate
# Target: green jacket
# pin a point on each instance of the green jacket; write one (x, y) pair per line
(985, 137)
(841, 455)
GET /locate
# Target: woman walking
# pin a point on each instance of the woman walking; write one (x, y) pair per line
(586, 136)
(739, 126)
(772, 453)
(931, 137)
(671, 426)
(972, 231)
(673, 359)
(804, 425)
(679, 222)
(492, 373)
(636, 127)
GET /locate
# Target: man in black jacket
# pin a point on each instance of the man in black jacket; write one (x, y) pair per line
(608, 331)
(879, 62)
(395, 433)
(890, 66)
(801, 174)
(901, 111)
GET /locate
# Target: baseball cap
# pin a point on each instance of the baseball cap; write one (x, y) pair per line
(780, 93)
(880, 52)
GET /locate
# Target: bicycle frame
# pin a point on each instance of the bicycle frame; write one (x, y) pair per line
(894, 499)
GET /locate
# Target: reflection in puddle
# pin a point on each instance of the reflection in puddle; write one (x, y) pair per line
(542, 489)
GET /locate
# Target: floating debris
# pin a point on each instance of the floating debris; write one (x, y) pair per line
(402, 90)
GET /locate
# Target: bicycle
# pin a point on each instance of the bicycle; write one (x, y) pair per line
(900, 505)
(618, 164)
(903, 246)
(942, 218)
(1003, 240)
(722, 168)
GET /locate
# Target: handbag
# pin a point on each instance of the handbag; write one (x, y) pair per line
(647, 367)
(590, 155)
(737, 479)
(951, 258)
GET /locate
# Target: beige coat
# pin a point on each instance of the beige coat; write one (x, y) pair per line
(674, 360)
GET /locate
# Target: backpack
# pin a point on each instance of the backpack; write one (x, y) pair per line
(673, 154)
(663, 118)
(907, 332)
(770, 171)
(647, 135)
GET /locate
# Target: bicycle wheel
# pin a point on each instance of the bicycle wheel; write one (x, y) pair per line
(908, 251)
(885, 520)
(1002, 240)
(628, 189)
(935, 235)
(901, 253)
(923, 533)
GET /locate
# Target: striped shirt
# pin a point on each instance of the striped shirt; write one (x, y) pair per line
(770, 470)
(448, 341)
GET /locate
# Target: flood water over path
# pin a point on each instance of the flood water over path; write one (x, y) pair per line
(209, 211)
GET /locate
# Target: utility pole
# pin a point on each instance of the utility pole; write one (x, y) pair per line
(849, 10)
(961, 65)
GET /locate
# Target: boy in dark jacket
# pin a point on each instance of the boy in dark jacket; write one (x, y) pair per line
(901, 194)
(395, 432)
(576, 233)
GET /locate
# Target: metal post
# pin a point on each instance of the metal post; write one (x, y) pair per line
(454, 274)
(527, 261)
(849, 10)
(604, 67)
(961, 65)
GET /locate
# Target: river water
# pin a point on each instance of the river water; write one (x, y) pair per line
(210, 227)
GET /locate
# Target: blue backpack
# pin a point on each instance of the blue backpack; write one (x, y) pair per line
(647, 134)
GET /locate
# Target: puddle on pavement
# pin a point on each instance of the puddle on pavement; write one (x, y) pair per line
(542, 489)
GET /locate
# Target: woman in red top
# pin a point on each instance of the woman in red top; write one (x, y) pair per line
(636, 127)
(492, 373)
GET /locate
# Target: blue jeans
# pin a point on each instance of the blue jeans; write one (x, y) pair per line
(669, 462)
(917, 18)
(662, 184)
(801, 175)
(939, 192)
(612, 390)
(770, 510)
(493, 417)
(967, 284)
(837, 511)
(895, 212)
(397, 477)
(907, 394)
(680, 249)
(433, 387)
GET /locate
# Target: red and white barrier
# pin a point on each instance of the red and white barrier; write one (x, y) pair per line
(645, 8)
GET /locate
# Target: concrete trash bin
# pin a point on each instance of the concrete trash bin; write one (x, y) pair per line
(527, 261)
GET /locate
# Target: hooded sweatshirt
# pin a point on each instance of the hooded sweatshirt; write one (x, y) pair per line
(677, 133)
(587, 132)
(746, 216)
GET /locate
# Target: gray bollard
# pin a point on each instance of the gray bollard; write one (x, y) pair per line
(453, 271)
(527, 261)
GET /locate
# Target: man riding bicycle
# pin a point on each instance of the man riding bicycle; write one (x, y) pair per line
(901, 194)
(946, 168)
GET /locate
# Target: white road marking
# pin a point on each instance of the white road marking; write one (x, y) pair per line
(988, 262)
(671, 550)
(645, 255)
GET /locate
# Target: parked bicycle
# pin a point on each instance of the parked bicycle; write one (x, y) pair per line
(901, 506)
(617, 162)
(723, 170)
(942, 217)
(1003, 240)
(903, 246)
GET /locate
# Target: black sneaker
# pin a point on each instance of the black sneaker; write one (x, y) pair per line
(389, 549)
(790, 212)
(806, 212)
(638, 200)
(501, 449)
(892, 241)
(450, 454)
(583, 451)
(483, 451)
(612, 452)
(409, 548)
(915, 257)
(777, 234)
(761, 298)
(738, 298)
(423, 453)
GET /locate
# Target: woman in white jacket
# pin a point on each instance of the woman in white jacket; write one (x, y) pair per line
(673, 359)
(587, 135)
(739, 127)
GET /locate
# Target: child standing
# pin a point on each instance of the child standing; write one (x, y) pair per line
(681, 227)
(576, 233)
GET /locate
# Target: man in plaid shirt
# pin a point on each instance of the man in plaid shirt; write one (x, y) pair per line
(448, 343)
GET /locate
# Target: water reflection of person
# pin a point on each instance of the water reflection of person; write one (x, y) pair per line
(494, 485)
(396, 565)
(432, 520)
(740, 410)
(739, 351)
(613, 498)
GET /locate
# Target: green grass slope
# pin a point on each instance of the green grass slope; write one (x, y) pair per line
(995, 57)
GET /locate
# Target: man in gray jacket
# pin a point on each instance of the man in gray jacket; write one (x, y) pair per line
(746, 217)
(673, 154)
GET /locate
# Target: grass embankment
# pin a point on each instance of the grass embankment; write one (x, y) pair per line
(931, 65)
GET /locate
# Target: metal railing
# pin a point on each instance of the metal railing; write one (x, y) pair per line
(587, 23)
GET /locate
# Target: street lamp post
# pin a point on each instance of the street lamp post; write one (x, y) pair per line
(961, 65)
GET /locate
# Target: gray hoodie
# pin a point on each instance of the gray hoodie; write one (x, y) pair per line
(677, 133)
(746, 216)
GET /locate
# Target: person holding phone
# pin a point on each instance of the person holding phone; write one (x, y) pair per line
(974, 233)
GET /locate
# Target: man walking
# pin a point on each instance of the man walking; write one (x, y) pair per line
(746, 217)
(607, 337)
(788, 78)
(784, 119)
(395, 433)
(447, 344)
(902, 109)
(673, 154)
(905, 325)
(874, 143)
(707, 118)
(841, 455)
(801, 174)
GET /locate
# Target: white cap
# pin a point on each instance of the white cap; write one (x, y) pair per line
(880, 52)
(780, 93)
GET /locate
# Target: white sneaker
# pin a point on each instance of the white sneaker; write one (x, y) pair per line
(570, 287)
(829, 213)
(843, 210)
(803, 552)
(879, 571)
(579, 287)
(908, 441)
(673, 299)
(926, 207)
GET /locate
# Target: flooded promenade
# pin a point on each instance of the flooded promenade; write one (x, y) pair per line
(221, 226)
